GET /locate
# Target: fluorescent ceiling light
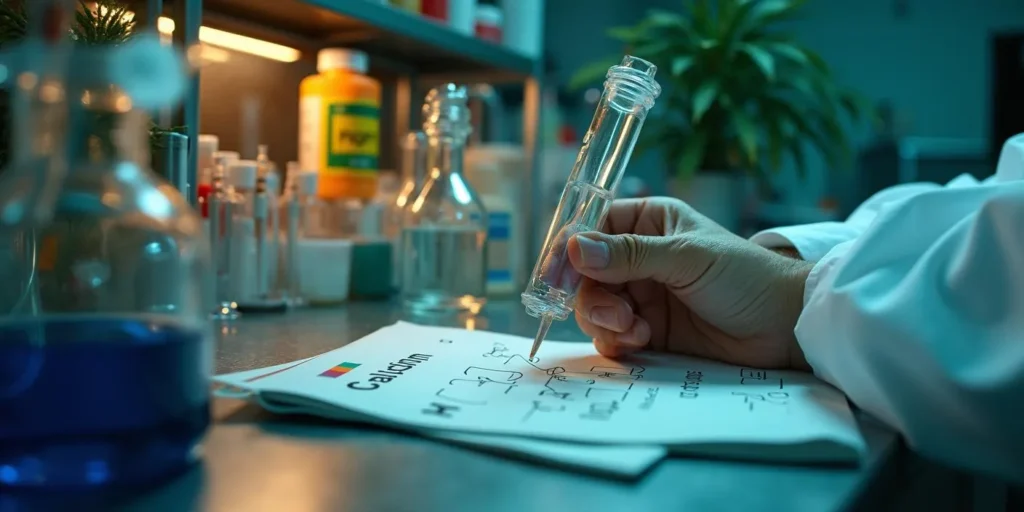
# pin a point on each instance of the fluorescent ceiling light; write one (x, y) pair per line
(236, 42)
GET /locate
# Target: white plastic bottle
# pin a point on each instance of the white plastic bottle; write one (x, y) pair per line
(493, 170)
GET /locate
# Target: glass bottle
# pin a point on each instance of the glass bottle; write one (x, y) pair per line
(414, 164)
(413, 174)
(444, 234)
(104, 370)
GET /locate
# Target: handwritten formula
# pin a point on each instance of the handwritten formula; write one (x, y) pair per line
(470, 381)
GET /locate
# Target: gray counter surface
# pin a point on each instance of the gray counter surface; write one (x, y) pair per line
(257, 462)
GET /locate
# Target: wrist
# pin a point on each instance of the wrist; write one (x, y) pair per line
(789, 252)
(794, 284)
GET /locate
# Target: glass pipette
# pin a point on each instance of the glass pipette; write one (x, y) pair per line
(629, 93)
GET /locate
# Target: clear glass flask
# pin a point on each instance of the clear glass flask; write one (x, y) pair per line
(444, 229)
(414, 163)
(413, 174)
(105, 359)
(629, 93)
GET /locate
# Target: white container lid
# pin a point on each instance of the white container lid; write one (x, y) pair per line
(342, 58)
(307, 182)
(207, 140)
(489, 15)
(207, 147)
(242, 173)
(225, 157)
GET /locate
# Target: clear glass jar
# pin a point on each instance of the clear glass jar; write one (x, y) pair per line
(412, 176)
(444, 230)
(105, 348)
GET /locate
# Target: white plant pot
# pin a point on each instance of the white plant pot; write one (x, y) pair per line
(720, 196)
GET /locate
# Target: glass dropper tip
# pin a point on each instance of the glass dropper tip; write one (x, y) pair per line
(542, 331)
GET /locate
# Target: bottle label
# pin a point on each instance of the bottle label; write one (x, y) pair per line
(352, 137)
(499, 234)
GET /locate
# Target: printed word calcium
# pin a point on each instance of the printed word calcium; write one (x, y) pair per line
(393, 371)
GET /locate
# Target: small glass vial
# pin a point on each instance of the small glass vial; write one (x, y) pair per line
(221, 212)
(444, 230)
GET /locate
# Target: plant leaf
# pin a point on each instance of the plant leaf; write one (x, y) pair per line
(663, 18)
(789, 51)
(651, 50)
(746, 130)
(737, 19)
(627, 35)
(764, 60)
(702, 18)
(703, 99)
(771, 11)
(692, 153)
(592, 73)
(816, 61)
(681, 64)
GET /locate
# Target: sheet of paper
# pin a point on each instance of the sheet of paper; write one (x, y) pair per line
(618, 461)
(480, 382)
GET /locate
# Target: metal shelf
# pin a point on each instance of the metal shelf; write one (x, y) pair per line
(410, 42)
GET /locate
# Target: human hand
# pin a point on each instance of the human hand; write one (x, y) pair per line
(663, 276)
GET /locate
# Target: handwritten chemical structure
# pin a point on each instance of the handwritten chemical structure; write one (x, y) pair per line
(597, 392)
(467, 383)
(539, 406)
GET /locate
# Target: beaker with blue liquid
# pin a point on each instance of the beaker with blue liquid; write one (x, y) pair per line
(105, 347)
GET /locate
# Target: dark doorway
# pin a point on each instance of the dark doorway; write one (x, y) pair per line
(1007, 88)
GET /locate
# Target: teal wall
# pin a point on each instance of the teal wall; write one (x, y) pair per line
(930, 59)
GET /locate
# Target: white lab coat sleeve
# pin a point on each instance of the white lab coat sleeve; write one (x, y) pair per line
(813, 241)
(920, 321)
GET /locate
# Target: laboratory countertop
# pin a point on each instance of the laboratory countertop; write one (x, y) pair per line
(255, 462)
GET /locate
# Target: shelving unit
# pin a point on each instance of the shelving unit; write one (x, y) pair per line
(410, 42)
(413, 52)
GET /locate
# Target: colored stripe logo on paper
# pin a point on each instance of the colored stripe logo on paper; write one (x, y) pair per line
(339, 370)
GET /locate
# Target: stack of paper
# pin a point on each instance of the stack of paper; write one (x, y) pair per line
(569, 406)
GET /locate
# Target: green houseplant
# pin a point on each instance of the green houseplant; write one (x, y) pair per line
(105, 22)
(740, 95)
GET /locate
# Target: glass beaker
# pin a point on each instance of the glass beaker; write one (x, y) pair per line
(105, 358)
(444, 229)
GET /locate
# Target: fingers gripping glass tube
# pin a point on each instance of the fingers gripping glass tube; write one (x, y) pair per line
(629, 93)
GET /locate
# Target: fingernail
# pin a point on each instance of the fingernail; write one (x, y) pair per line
(629, 338)
(593, 253)
(605, 316)
(636, 336)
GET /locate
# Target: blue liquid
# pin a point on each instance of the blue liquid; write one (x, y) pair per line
(103, 402)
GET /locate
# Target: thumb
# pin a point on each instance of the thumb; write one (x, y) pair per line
(615, 259)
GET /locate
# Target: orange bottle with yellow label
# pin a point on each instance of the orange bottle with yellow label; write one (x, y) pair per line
(339, 125)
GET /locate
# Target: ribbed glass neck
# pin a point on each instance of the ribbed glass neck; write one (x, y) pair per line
(630, 87)
(444, 157)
